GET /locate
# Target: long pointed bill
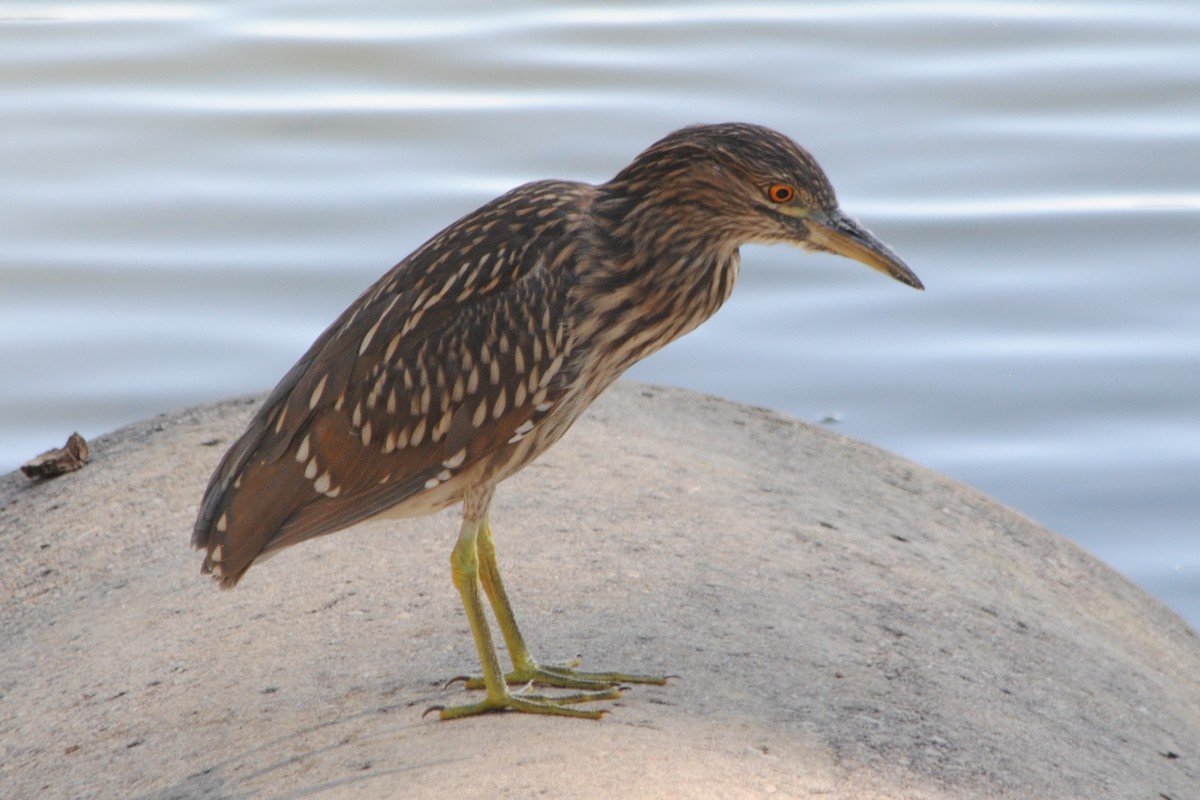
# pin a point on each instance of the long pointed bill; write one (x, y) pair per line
(834, 232)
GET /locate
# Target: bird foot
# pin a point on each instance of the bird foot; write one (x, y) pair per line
(530, 704)
(565, 676)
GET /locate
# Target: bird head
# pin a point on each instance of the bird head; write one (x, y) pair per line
(746, 184)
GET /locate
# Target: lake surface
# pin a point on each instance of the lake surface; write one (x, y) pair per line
(190, 193)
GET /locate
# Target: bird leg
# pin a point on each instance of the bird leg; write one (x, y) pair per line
(525, 669)
(464, 564)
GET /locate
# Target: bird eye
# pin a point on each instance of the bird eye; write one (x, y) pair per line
(781, 193)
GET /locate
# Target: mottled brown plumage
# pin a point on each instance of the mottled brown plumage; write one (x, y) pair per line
(478, 351)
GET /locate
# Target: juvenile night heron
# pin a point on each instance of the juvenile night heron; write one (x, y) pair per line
(477, 352)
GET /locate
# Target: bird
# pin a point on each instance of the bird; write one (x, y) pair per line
(476, 353)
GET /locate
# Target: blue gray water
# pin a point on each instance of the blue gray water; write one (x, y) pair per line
(190, 192)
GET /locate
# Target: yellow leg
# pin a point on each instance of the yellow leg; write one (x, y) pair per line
(464, 565)
(525, 669)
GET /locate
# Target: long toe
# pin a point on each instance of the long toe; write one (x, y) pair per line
(559, 705)
(565, 676)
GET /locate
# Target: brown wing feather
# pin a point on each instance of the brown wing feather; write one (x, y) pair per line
(454, 355)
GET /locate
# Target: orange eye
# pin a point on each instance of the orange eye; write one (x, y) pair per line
(781, 193)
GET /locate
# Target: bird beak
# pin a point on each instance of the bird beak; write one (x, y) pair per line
(834, 232)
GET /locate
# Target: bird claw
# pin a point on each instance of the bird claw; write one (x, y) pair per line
(466, 679)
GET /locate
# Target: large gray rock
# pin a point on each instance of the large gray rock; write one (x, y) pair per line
(843, 624)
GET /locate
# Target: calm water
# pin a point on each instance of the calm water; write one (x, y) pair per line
(190, 193)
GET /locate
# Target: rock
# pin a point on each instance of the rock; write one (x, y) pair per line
(58, 460)
(843, 624)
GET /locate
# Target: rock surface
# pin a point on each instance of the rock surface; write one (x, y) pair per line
(843, 624)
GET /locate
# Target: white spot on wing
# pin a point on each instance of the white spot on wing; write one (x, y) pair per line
(443, 425)
(317, 392)
(322, 483)
(447, 286)
(521, 432)
(391, 348)
(366, 342)
(555, 365)
(302, 452)
(412, 322)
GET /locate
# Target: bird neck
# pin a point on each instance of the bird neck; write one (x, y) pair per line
(652, 277)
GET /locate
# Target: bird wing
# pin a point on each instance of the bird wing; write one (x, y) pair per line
(459, 351)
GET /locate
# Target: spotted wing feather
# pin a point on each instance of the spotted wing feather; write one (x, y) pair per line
(454, 355)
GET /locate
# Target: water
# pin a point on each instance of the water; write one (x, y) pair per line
(190, 193)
